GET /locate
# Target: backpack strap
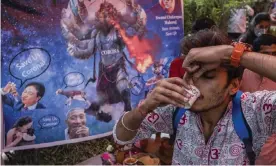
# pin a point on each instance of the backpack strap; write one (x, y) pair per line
(178, 113)
(242, 128)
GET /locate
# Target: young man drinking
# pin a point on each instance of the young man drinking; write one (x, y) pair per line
(207, 133)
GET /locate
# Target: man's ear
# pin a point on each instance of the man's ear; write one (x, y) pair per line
(38, 98)
(234, 86)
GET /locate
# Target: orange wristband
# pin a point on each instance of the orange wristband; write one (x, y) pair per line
(239, 49)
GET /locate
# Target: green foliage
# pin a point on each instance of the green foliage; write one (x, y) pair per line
(217, 10)
(273, 30)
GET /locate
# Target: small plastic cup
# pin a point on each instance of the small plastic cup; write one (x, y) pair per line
(195, 93)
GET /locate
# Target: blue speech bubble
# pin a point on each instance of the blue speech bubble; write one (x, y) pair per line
(29, 63)
(73, 79)
(49, 121)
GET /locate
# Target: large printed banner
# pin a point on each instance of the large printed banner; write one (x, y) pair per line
(71, 68)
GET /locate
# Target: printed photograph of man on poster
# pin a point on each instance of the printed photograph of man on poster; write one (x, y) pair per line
(76, 124)
(29, 99)
(167, 5)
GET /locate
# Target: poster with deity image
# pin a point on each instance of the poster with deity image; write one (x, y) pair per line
(71, 68)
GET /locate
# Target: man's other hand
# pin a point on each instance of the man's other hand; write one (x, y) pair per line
(167, 91)
(200, 60)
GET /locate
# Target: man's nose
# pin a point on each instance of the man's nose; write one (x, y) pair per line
(77, 121)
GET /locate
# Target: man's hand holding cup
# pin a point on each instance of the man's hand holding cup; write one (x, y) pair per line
(174, 91)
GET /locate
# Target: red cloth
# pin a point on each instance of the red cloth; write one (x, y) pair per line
(176, 69)
(252, 82)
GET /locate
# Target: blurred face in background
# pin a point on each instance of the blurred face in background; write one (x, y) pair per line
(262, 28)
(168, 3)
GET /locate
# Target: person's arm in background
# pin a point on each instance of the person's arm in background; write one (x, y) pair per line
(167, 92)
(6, 94)
(249, 10)
(10, 141)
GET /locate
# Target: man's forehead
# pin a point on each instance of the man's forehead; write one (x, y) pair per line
(30, 124)
(76, 112)
(30, 88)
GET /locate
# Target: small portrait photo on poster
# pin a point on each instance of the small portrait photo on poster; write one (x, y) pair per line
(22, 133)
(167, 5)
(76, 124)
(29, 99)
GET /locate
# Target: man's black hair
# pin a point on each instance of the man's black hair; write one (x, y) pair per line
(211, 37)
(39, 87)
(264, 40)
(259, 18)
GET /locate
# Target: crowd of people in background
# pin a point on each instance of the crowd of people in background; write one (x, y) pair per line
(257, 34)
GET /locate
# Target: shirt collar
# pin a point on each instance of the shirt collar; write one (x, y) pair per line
(66, 134)
(32, 107)
(228, 109)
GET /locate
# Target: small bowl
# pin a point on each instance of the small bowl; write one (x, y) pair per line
(130, 161)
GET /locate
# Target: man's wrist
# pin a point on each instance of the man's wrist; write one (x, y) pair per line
(244, 57)
(228, 50)
(143, 109)
(3, 92)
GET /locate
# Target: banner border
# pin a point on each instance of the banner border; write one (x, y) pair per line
(56, 143)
